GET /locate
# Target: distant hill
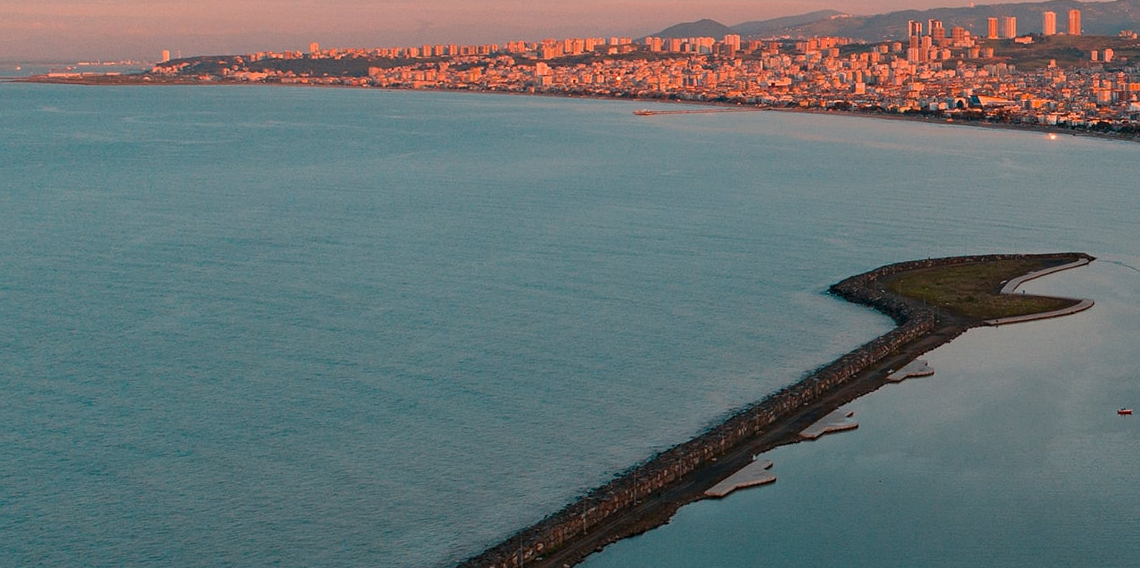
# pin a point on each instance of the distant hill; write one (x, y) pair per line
(774, 26)
(701, 28)
(1097, 18)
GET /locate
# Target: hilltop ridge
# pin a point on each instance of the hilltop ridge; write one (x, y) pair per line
(1097, 18)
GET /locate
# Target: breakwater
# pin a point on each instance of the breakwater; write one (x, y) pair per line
(669, 468)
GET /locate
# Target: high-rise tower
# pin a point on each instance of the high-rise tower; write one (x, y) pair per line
(935, 29)
(1074, 22)
(1008, 27)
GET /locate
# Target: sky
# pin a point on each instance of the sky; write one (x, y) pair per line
(94, 30)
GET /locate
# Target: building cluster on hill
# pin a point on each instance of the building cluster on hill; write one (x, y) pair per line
(1005, 27)
(942, 72)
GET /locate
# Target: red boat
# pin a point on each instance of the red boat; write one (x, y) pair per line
(1124, 411)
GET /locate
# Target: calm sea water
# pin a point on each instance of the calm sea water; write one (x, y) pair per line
(10, 69)
(298, 327)
(1011, 455)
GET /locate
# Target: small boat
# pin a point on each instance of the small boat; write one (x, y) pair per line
(1124, 411)
(643, 112)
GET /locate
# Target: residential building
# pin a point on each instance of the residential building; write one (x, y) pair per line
(1008, 27)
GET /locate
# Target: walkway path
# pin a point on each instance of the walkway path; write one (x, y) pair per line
(1011, 287)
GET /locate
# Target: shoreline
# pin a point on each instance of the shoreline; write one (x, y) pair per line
(649, 494)
(129, 81)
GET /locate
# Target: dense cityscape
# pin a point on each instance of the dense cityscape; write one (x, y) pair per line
(941, 71)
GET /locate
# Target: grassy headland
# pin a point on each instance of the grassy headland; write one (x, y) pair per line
(971, 290)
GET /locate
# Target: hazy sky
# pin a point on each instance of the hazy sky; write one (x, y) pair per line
(116, 29)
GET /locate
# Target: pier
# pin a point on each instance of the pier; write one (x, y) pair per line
(837, 421)
(753, 474)
(918, 368)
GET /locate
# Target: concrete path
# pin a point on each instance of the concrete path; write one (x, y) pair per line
(1011, 287)
(755, 473)
(837, 421)
(1084, 305)
(916, 368)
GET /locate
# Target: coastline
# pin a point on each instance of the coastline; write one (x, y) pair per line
(1017, 127)
(128, 81)
(648, 495)
(552, 104)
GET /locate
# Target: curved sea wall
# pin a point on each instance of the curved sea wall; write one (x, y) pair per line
(864, 280)
(670, 466)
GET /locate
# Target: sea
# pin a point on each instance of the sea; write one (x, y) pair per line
(265, 326)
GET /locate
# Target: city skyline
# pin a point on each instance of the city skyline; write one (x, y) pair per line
(56, 30)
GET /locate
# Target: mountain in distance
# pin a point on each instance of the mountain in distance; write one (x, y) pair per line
(700, 28)
(1097, 18)
(775, 25)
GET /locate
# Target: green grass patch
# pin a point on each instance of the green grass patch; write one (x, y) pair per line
(972, 290)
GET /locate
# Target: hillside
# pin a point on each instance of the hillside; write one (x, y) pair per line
(1097, 18)
(701, 28)
(774, 26)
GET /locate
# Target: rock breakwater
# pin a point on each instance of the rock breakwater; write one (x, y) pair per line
(601, 506)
